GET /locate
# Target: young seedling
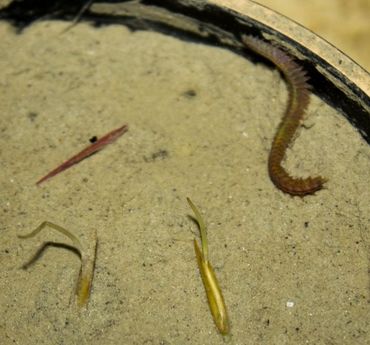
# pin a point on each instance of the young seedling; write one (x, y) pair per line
(88, 257)
(213, 291)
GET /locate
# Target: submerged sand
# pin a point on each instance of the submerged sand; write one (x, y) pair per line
(293, 271)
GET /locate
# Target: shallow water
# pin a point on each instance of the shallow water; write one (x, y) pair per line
(201, 119)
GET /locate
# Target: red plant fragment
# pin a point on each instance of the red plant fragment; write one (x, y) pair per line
(88, 151)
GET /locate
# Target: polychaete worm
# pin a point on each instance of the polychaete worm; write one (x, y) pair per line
(213, 291)
(298, 101)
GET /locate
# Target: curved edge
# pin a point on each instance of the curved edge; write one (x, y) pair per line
(304, 37)
(335, 77)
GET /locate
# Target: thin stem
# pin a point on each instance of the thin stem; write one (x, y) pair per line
(202, 229)
(88, 258)
(73, 238)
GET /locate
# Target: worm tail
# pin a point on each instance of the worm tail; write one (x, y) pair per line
(298, 102)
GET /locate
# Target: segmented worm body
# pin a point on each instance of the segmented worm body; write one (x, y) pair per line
(298, 101)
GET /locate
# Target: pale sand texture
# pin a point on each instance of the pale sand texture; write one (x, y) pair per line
(201, 123)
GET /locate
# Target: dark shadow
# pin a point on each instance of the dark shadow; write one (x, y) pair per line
(40, 252)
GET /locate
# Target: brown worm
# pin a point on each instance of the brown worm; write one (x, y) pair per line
(298, 101)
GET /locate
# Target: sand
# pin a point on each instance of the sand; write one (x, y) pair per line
(292, 270)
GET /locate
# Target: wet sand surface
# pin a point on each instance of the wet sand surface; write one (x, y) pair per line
(292, 270)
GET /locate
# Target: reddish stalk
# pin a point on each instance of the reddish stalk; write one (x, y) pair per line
(88, 151)
(298, 101)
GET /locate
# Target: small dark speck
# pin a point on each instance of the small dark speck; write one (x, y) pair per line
(6, 251)
(85, 179)
(306, 224)
(158, 155)
(32, 116)
(93, 139)
(189, 93)
(161, 154)
(297, 329)
(340, 62)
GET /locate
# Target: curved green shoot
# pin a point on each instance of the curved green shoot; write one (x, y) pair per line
(88, 258)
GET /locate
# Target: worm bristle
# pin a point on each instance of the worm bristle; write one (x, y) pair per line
(295, 186)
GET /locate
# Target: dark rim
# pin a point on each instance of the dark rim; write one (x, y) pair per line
(208, 23)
